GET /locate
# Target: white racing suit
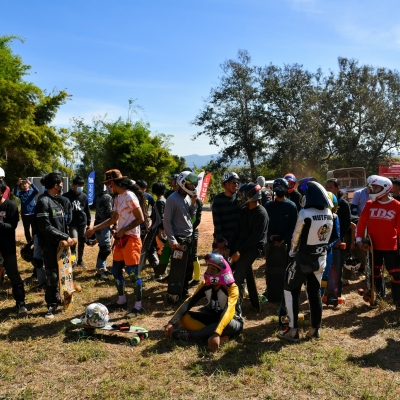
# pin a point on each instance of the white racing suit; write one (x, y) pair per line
(308, 259)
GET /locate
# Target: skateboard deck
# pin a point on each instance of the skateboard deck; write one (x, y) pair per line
(177, 273)
(331, 284)
(138, 332)
(275, 268)
(65, 276)
(369, 296)
(1, 268)
(164, 256)
(252, 288)
(145, 248)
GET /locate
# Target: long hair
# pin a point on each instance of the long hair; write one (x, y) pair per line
(127, 184)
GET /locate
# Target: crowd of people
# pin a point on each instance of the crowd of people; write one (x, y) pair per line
(302, 217)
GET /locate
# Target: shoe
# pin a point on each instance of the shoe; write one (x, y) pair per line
(290, 334)
(22, 310)
(50, 312)
(108, 272)
(313, 333)
(116, 306)
(162, 279)
(102, 276)
(81, 264)
(135, 312)
(181, 334)
(172, 299)
(194, 282)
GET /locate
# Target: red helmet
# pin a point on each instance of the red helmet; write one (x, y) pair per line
(291, 181)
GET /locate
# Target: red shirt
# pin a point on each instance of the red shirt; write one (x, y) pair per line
(383, 222)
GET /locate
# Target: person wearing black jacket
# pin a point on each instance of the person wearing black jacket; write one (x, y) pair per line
(52, 228)
(80, 218)
(8, 248)
(195, 240)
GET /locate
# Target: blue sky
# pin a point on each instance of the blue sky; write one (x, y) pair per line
(167, 54)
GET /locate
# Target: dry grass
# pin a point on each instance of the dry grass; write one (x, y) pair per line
(357, 358)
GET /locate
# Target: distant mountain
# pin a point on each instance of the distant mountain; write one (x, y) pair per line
(194, 160)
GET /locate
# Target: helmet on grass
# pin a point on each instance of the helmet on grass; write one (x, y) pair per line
(96, 315)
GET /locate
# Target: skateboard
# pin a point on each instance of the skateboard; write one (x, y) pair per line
(177, 273)
(145, 248)
(252, 288)
(331, 284)
(164, 256)
(282, 313)
(138, 332)
(1, 268)
(65, 276)
(275, 268)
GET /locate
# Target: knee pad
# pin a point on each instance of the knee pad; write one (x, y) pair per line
(37, 263)
(119, 284)
(104, 252)
(378, 271)
(395, 275)
(51, 277)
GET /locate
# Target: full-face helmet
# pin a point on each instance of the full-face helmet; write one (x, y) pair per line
(185, 178)
(249, 192)
(291, 181)
(224, 276)
(96, 315)
(385, 184)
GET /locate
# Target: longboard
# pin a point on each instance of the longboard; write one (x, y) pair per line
(1, 268)
(252, 288)
(65, 275)
(177, 273)
(275, 268)
(88, 330)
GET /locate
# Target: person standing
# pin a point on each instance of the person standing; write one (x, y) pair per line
(293, 194)
(80, 218)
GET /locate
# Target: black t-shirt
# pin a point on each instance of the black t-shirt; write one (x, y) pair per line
(9, 218)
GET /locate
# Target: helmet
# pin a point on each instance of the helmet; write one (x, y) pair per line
(27, 252)
(334, 201)
(352, 263)
(302, 186)
(2, 173)
(291, 181)
(225, 275)
(385, 183)
(96, 315)
(261, 181)
(188, 177)
(316, 196)
(279, 182)
(229, 176)
(249, 192)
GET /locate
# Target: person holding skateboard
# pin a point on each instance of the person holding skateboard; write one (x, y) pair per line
(308, 251)
(128, 213)
(225, 213)
(180, 208)
(381, 215)
(52, 228)
(222, 316)
(248, 240)
(8, 248)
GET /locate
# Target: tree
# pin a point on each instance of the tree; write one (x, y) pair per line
(233, 117)
(28, 144)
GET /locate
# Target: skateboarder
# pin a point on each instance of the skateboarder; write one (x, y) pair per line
(249, 238)
(222, 318)
(309, 246)
(180, 209)
(128, 214)
(80, 219)
(52, 227)
(225, 213)
(381, 215)
(8, 248)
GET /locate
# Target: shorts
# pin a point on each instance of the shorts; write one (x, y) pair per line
(130, 253)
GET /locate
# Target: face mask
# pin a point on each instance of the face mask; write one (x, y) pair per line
(79, 189)
(60, 190)
(280, 194)
(43, 189)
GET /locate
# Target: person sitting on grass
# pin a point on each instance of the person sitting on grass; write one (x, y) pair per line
(222, 316)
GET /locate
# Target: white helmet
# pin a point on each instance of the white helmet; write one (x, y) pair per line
(385, 183)
(188, 177)
(229, 175)
(2, 173)
(96, 315)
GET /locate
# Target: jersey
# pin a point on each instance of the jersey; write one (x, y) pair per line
(383, 223)
(124, 204)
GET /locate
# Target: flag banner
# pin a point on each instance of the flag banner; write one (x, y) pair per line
(200, 184)
(204, 187)
(90, 187)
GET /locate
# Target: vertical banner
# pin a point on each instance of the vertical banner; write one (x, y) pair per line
(200, 184)
(204, 187)
(90, 187)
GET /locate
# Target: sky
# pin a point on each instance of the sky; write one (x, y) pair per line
(166, 54)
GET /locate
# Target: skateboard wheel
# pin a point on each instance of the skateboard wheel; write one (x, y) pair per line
(361, 292)
(341, 300)
(67, 293)
(78, 288)
(324, 299)
(82, 333)
(300, 318)
(134, 341)
(143, 336)
(367, 299)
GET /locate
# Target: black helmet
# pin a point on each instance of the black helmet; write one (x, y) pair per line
(249, 192)
(158, 188)
(27, 252)
(280, 182)
(316, 196)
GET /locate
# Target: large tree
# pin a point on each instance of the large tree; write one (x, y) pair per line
(28, 144)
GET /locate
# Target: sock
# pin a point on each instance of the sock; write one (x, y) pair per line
(138, 305)
(121, 299)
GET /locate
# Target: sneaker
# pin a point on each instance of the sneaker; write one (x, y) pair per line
(102, 276)
(313, 333)
(135, 312)
(116, 306)
(50, 312)
(22, 310)
(181, 334)
(290, 334)
(81, 264)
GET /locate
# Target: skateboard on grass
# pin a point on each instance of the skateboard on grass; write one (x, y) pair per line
(275, 268)
(65, 276)
(138, 332)
(331, 284)
(177, 273)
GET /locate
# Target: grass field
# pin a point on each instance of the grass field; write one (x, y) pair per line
(357, 358)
